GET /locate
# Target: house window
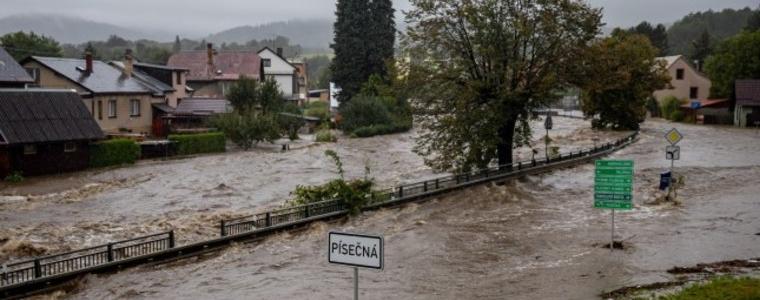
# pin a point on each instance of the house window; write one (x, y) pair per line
(30, 149)
(134, 105)
(112, 109)
(69, 147)
(35, 73)
(679, 74)
(267, 62)
(100, 110)
(694, 93)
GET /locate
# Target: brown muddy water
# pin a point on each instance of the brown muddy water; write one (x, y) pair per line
(532, 238)
(73, 211)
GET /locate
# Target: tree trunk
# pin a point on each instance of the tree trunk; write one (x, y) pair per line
(504, 148)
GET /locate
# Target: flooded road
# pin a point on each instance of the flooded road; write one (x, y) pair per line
(73, 211)
(533, 238)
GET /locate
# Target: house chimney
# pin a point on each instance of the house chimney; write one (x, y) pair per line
(128, 63)
(210, 54)
(88, 62)
(279, 52)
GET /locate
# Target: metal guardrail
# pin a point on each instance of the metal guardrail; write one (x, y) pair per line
(84, 258)
(22, 278)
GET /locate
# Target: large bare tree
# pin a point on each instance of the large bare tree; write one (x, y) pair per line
(478, 69)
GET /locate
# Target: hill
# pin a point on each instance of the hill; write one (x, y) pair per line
(719, 25)
(315, 34)
(72, 30)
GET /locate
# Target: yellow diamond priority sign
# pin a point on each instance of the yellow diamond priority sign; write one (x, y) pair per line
(673, 136)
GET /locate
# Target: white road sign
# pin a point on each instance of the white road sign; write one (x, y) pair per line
(673, 153)
(355, 250)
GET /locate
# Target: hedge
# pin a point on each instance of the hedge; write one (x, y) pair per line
(373, 130)
(187, 144)
(114, 152)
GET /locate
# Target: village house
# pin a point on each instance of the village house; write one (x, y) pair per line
(747, 108)
(211, 73)
(119, 98)
(277, 68)
(12, 75)
(44, 131)
(686, 82)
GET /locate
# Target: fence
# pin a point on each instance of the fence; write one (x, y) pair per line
(20, 279)
(85, 258)
(437, 185)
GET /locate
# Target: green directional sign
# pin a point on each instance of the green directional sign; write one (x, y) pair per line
(613, 184)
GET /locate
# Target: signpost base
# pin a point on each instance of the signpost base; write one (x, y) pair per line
(612, 239)
(356, 283)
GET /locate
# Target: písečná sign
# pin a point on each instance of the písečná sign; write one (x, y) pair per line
(613, 184)
(355, 250)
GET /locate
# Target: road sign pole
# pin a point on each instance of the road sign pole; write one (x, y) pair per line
(612, 239)
(356, 283)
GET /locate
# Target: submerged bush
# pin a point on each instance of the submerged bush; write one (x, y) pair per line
(199, 143)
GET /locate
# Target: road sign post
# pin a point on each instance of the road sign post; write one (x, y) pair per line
(548, 125)
(356, 250)
(613, 188)
(673, 153)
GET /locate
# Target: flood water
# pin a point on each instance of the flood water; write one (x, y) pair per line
(191, 196)
(532, 238)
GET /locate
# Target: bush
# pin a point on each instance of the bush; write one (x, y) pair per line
(114, 152)
(14, 177)
(364, 111)
(318, 109)
(289, 123)
(374, 130)
(670, 105)
(653, 107)
(187, 144)
(677, 116)
(248, 129)
(721, 288)
(326, 136)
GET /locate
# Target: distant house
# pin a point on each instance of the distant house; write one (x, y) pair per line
(12, 75)
(686, 82)
(709, 111)
(192, 113)
(278, 68)
(321, 95)
(44, 132)
(119, 97)
(747, 108)
(211, 72)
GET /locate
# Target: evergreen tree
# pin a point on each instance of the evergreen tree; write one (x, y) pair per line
(701, 49)
(657, 35)
(177, 45)
(753, 24)
(349, 68)
(381, 36)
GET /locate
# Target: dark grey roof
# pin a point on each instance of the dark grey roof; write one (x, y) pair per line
(11, 71)
(158, 87)
(105, 78)
(202, 106)
(34, 116)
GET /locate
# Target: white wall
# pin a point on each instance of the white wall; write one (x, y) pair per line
(281, 70)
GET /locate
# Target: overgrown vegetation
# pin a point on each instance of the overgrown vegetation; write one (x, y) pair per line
(187, 144)
(733, 59)
(114, 152)
(719, 289)
(14, 177)
(290, 120)
(355, 194)
(671, 109)
(378, 109)
(318, 109)
(326, 136)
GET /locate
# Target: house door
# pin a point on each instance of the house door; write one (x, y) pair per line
(159, 127)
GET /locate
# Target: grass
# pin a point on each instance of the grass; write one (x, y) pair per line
(720, 288)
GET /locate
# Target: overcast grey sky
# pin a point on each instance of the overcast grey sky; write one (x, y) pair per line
(208, 16)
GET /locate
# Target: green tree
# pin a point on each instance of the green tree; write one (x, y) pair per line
(480, 68)
(619, 79)
(753, 23)
(249, 95)
(719, 24)
(701, 49)
(350, 46)
(177, 45)
(381, 37)
(657, 35)
(735, 58)
(21, 45)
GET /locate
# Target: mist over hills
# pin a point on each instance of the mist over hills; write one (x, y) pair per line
(73, 30)
(307, 33)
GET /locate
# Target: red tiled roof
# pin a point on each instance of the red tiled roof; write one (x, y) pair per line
(748, 92)
(228, 65)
